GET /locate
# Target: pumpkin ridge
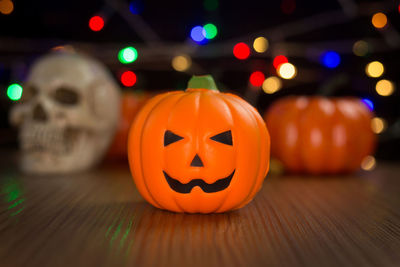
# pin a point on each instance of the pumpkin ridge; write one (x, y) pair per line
(131, 144)
(144, 127)
(238, 101)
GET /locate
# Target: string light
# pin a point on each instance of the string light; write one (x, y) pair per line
(241, 51)
(368, 163)
(379, 20)
(181, 63)
(210, 31)
(257, 78)
(360, 48)
(287, 71)
(6, 7)
(271, 85)
(127, 55)
(279, 60)
(368, 103)
(378, 125)
(260, 44)
(14, 92)
(330, 59)
(96, 23)
(198, 34)
(374, 69)
(384, 87)
(128, 78)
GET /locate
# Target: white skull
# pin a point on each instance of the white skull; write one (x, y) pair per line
(67, 115)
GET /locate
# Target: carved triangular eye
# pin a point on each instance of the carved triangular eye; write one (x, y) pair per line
(170, 137)
(224, 138)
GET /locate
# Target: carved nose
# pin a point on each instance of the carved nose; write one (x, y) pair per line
(196, 162)
(39, 114)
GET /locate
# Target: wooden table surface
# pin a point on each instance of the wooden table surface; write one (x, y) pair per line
(98, 219)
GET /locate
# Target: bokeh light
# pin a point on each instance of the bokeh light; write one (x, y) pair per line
(128, 78)
(384, 87)
(127, 55)
(287, 71)
(257, 78)
(374, 69)
(368, 163)
(136, 7)
(330, 59)
(271, 85)
(288, 6)
(378, 125)
(361, 48)
(6, 7)
(14, 92)
(368, 103)
(198, 34)
(379, 20)
(181, 62)
(278, 60)
(96, 23)
(210, 31)
(211, 5)
(241, 51)
(260, 44)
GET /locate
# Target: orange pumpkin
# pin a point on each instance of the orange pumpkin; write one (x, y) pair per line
(199, 150)
(320, 135)
(131, 103)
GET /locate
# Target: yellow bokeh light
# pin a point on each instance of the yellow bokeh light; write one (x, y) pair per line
(368, 163)
(6, 7)
(379, 20)
(378, 125)
(384, 87)
(360, 48)
(271, 85)
(260, 44)
(374, 69)
(287, 71)
(181, 63)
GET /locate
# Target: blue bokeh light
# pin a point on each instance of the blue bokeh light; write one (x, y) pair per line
(136, 7)
(330, 59)
(198, 34)
(368, 103)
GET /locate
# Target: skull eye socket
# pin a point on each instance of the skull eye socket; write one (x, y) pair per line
(66, 96)
(224, 138)
(170, 137)
(28, 93)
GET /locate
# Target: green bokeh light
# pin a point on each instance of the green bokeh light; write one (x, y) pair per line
(14, 92)
(211, 30)
(127, 55)
(211, 5)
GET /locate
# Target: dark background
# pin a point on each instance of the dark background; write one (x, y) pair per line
(34, 27)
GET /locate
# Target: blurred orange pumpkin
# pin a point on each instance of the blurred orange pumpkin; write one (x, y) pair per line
(320, 135)
(131, 103)
(199, 150)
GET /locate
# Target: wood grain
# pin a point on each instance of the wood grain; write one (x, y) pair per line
(98, 219)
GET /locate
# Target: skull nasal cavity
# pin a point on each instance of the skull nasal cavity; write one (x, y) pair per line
(39, 114)
(196, 162)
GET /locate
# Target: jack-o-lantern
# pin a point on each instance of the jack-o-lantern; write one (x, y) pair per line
(131, 103)
(320, 135)
(198, 150)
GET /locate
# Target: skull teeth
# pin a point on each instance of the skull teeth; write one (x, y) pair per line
(36, 137)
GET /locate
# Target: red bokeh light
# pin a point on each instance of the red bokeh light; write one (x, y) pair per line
(241, 51)
(278, 60)
(128, 78)
(288, 6)
(96, 23)
(257, 78)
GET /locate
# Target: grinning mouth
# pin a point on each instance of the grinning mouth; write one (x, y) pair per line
(217, 186)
